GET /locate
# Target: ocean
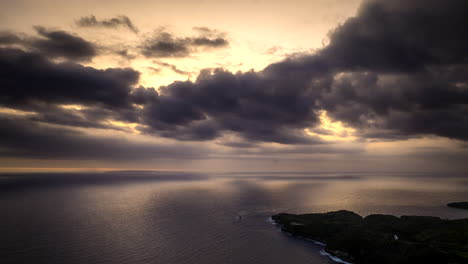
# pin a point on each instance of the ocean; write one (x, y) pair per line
(177, 217)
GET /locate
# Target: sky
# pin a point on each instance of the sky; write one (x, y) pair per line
(251, 85)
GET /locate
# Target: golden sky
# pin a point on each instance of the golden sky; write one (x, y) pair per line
(259, 32)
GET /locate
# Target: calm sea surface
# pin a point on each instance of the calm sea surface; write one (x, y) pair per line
(150, 217)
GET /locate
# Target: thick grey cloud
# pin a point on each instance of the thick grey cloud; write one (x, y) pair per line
(400, 35)
(165, 45)
(400, 69)
(253, 105)
(30, 82)
(57, 43)
(397, 70)
(52, 44)
(119, 21)
(22, 138)
(429, 102)
(30, 76)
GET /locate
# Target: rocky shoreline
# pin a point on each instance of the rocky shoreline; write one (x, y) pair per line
(384, 239)
(459, 205)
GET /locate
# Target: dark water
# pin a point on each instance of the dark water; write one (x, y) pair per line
(134, 217)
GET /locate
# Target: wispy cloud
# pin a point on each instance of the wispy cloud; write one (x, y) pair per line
(115, 22)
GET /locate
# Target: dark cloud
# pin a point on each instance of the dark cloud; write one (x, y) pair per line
(30, 82)
(119, 21)
(172, 67)
(400, 69)
(7, 38)
(401, 105)
(194, 131)
(19, 137)
(206, 42)
(125, 53)
(397, 70)
(165, 45)
(52, 44)
(31, 77)
(236, 143)
(209, 37)
(255, 107)
(143, 96)
(400, 36)
(57, 43)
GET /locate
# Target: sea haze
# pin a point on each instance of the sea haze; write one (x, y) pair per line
(155, 217)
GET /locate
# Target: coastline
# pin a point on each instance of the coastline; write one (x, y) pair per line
(323, 245)
(349, 238)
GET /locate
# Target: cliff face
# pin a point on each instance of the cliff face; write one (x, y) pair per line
(383, 238)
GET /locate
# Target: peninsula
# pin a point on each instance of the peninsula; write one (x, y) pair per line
(383, 239)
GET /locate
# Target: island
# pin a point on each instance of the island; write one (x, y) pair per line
(459, 205)
(383, 239)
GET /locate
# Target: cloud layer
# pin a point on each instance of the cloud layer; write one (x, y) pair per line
(397, 70)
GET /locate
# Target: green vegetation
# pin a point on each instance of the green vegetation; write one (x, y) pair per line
(383, 239)
(459, 205)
